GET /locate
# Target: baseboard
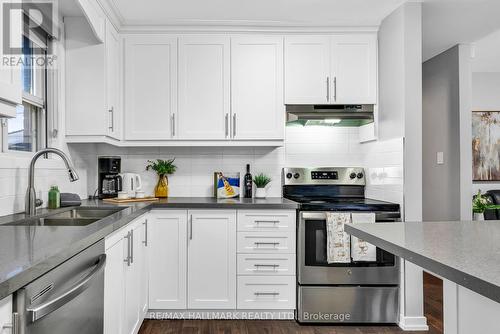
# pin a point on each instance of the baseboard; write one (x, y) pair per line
(221, 314)
(413, 323)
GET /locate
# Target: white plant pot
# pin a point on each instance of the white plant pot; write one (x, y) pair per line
(478, 216)
(260, 193)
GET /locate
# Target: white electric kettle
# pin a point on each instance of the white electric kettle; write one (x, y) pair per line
(131, 183)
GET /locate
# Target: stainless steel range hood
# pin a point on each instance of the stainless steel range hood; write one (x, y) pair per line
(333, 115)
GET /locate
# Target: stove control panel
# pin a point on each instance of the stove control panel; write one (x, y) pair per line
(324, 175)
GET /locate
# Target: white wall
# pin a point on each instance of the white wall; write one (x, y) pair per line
(400, 81)
(485, 97)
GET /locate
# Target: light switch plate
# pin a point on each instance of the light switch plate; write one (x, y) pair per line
(440, 158)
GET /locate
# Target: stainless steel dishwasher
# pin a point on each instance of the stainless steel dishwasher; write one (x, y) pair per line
(67, 299)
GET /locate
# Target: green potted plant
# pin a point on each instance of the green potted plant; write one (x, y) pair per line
(481, 203)
(261, 181)
(163, 168)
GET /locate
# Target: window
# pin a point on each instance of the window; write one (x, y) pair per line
(27, 131)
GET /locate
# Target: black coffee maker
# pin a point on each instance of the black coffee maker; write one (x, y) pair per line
(109, 180)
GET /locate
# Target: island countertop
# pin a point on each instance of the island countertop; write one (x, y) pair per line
(27, 252)
(467, 253)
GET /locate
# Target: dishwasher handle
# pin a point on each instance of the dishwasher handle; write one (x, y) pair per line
(36, 313)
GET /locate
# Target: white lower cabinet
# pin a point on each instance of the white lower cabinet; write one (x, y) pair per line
(6, 315)
(266, 292)
(125, 279)
(212, 259)
(167, 259)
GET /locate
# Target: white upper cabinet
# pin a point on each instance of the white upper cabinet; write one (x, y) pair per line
(338, 69)
(92, 81)
(204, 87)
(150, 87)
(212, 259)
(258, 110)
(354, 69)
(307, 69)
(113, 81)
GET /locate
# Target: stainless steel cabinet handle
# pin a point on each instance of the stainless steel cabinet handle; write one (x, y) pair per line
(327, 88)
(145, 242)
(266, 293)
(112, 114)
(226, 125)
(36, 313)
(234, 125)
(267, 265)
(190, 227)
(128, 258)
(132, 246)
(173, 125)
(267, 243)
(272, 267)
(335, 88)
(14, 326)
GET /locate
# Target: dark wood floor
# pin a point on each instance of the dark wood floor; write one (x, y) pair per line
(433, 309)
(259, 327)
(433, 302)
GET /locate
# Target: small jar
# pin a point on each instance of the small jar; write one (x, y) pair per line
(54, 198)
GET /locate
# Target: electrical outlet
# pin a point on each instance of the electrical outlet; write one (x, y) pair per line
(440, 158)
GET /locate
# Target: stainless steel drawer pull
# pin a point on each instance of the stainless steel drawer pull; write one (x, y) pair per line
(267, 265)
(266, 293)
(274, 222)
(267, 243)
(262, 267)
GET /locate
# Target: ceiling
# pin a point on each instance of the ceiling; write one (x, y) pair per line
(487, 54)
(446, 23)
(254, 12)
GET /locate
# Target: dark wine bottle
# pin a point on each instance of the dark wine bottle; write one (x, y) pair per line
(247, 184)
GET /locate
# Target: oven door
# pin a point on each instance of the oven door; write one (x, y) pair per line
(315, 270)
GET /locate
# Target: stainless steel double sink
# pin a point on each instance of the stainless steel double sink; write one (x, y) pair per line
(81, 216)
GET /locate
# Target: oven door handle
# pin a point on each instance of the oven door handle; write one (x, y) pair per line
(380, 215)
(36, 313)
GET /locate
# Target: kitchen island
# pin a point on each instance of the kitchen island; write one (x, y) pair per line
(464, 254)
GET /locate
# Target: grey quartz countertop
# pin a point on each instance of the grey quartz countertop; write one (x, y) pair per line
(467, 253)
(27, 252)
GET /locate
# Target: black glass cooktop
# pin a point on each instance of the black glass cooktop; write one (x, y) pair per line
(343, 204)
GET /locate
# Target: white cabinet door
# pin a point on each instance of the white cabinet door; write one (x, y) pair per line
(204, 87)
(167, 243)
(113, 81)
(212, 259)
(150, 87)
(258, 109)
(10, 76)
(114, 288)
(132, 282)
(143, 267)
(354, 69)
(307, 69)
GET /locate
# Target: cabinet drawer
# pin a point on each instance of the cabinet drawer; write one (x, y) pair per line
(266, 242)
(266, 264)
(269, 220)
(266, 292)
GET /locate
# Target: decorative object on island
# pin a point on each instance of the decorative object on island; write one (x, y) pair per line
(481, 203)
(261, 181)
(247, 183)
(163, 168)
(228, 185)
(54, 198)
(486, 145)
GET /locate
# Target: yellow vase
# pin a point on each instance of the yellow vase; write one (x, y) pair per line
(161, 189)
